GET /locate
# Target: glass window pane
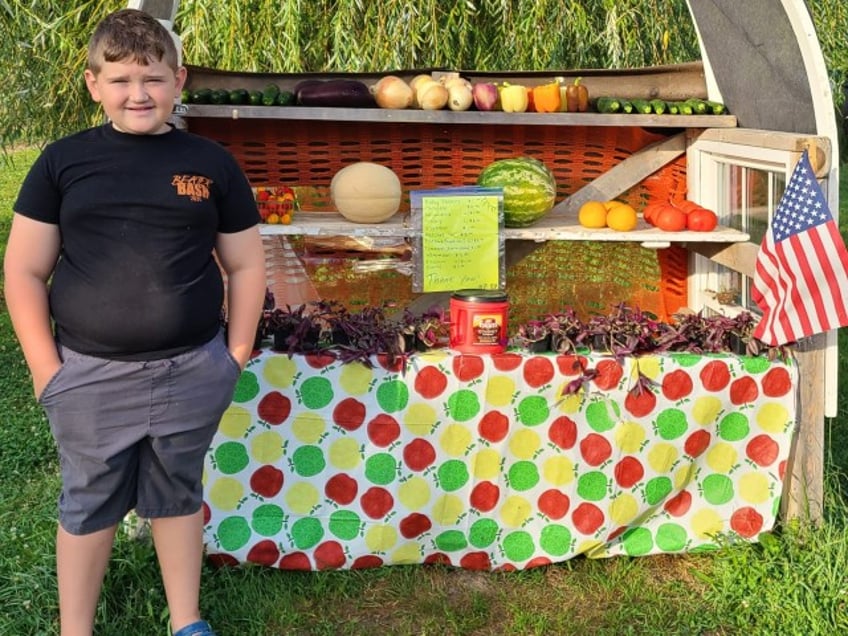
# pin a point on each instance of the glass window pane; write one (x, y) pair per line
(760, 204)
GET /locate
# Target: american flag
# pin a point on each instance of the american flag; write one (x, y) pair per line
(801, 277)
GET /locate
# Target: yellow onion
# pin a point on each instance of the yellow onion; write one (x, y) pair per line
(459, 96)
(415, 83)
(432, 96)
(393, 92)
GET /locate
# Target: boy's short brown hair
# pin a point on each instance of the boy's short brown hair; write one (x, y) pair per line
(130, 34)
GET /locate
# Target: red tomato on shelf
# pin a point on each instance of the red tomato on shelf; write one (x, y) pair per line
(670, 219)
(701, 220)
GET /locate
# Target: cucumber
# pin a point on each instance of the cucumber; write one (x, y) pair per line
(220, 96)
(672, 108)
(238, 96)
(608, 105)
(717, 108)
(658, 106)
(642, 106)
(699, 106)
(201, 96)
(626, 106)
(285, 98)
(269, 94)
(685, 108)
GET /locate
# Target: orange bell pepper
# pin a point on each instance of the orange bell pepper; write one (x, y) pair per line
(546, 98)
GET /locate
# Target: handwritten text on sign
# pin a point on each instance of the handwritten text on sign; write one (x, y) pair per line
(460, 242)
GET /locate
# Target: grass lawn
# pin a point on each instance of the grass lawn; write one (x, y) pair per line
(794, 583)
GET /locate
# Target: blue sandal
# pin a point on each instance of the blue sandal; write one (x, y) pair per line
(199, 628)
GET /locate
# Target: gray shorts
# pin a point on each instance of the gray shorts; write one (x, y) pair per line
(133, 434)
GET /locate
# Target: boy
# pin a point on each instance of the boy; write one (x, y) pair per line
(125, 344)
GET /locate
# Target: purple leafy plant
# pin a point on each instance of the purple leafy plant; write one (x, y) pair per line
(426, 330)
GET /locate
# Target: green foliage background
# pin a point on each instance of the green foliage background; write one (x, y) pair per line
(44, 42)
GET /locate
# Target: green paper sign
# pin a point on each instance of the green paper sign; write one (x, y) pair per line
(460, 245)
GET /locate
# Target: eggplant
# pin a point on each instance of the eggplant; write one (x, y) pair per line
(342, 93)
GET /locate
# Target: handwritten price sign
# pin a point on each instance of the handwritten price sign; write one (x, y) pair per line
(460, 244)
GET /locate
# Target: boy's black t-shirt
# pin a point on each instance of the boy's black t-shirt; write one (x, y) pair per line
(138, 217)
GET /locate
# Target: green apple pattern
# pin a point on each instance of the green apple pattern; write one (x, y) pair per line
(487, 462)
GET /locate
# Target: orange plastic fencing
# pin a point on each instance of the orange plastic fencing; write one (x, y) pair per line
(589, 276)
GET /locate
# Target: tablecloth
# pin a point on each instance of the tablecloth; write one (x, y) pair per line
(495, 462)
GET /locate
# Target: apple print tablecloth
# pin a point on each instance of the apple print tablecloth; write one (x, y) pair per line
(489, 462)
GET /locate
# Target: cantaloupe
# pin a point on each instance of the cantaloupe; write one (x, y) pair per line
(366, 192)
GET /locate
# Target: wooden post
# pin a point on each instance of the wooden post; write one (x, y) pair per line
(803, 490)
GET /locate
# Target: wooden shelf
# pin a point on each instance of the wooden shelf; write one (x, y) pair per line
(554, 227)
(560, 225)
(383, 115)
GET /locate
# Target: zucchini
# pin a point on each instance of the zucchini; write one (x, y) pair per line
(626, 106)
(642, 106)
(672, 108)
(254, 98)
(658, 106)
(608, 105)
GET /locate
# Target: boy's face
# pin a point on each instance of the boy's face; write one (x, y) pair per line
(137, 98)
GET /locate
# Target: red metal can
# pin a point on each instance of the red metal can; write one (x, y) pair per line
(478, 321)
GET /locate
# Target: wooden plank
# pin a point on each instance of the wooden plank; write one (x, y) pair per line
(447, 117)
(819, 147)
(624, 175)
(740, 257)
(803, 491)
(560, 227)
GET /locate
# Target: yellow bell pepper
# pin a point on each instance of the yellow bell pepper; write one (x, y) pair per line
(546, 98)
(563, 87)
(513, 98)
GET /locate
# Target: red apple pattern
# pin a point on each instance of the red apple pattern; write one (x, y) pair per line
(482, 462)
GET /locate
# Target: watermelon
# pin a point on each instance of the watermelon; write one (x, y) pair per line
(529, 188)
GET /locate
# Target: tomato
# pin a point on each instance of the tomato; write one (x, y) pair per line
(649, 212)
(701, 220)
(670, 219)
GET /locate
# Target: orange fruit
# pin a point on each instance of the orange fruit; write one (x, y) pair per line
(613, 203)
(592, 214)
(622, 218)
(273, 218)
